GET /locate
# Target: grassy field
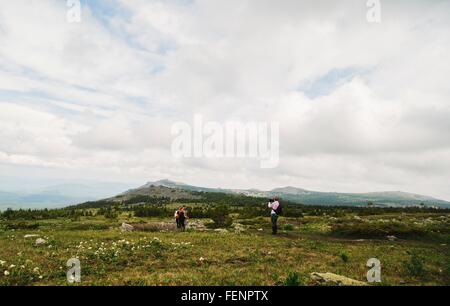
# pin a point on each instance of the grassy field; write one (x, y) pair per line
(244, 254)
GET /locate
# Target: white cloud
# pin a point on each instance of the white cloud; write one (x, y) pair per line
(97, 99)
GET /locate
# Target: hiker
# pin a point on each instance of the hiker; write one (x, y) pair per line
(276, 211)
(177, 216)
(182, 216)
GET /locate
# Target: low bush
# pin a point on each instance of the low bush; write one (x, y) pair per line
(344, 257)
(22, 225)
(415, 265)
(295, 279)
(288, 227)
(220, 216)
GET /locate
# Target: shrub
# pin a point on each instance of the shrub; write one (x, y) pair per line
(108, 213)
(344, 257)
(294, 279)
(22, 225)
(220, 216)
(415, 265)
(151, 211)
(288, 227)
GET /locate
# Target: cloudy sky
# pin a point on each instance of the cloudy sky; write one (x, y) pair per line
(362, 106)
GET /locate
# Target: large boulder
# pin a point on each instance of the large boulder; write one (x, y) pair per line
(127, 227)
(334, 280)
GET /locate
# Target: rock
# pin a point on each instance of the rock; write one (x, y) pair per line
(152, 227)
(40, 241)
(391, 238)
(30, 236)
(196, 225)
(334, 279)
(127, 227)
(238, 228)
(221, 230)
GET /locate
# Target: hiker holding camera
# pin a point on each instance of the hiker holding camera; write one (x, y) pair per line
(276, 211)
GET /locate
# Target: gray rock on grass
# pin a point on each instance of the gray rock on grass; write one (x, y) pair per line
(30, 236)
(40, 241)
(335, 280)
(127, 227)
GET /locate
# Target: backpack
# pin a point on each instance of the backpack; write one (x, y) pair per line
(279, 210)
(181, 215)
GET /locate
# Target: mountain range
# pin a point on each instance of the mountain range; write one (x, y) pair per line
(62, 195)
(303, 196)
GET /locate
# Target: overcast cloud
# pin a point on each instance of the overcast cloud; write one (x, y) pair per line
(362, 106)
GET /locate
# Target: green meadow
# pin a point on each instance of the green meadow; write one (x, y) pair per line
(237, 249)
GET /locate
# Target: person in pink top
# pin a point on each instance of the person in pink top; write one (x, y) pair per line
(276, 211)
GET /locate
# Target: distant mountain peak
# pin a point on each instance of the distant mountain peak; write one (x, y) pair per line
(164, 183)
(290, 190)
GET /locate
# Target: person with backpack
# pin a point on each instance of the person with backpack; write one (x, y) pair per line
(277, 210)
(182, 216)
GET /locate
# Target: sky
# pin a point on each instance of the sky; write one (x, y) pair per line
(362, 106)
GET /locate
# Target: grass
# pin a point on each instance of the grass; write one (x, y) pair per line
(252, 257)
